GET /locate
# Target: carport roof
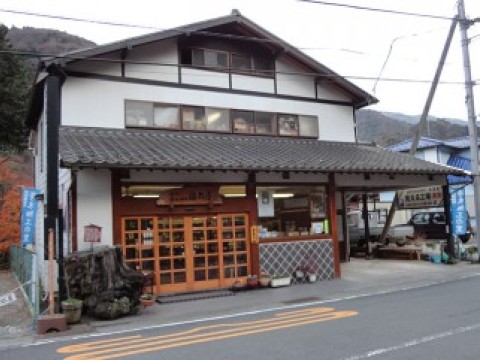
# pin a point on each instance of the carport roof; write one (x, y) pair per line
(167, 150)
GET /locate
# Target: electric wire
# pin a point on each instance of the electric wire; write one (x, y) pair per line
(211, 74)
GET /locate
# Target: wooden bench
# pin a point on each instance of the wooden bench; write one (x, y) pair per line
(400, 253)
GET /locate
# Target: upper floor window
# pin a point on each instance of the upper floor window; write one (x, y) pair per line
(148, 114)
(250, 122)
(224, 60)
(206, 118)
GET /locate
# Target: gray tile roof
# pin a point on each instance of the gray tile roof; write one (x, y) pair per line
(154, 149)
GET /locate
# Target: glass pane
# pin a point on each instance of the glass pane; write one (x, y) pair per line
(288, 125)
(164, 237)
(147, 224)
(147, 253)
(242, 259)
(239, 220)
(148, 265)
(138, 113)
(193, 118)
(164, 250)
(131, 239)
(198, 222)
(243, 121)
(240, 234)
(227, 234)
(197, 57)
(131, 224)
(179, 264)
(241, 62)
(199, 248)
(166, 116)
(308, 125)
(178, 237)
(211, 234)
(198, 235)
(178, 250)
(218, 119)
(165, 265)
(213, 274)
(227, 222)
(179, 277)
(229, 273)
(241, 246)
(177, 223)
(212, 261)
(215, 58)
(242, 271)
(212, 222)
(131, 253)
(212, 248)
(228, 247)
(199, 262)
(228, 260)
(265, 123)
(200, 275)
(163, 223)
(165, 278)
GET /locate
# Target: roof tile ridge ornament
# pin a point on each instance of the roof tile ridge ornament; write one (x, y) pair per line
(236, 12)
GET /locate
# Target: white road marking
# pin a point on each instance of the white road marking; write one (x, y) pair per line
(414, 342)
(248, 313)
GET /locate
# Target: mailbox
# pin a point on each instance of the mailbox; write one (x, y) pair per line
(92, 233)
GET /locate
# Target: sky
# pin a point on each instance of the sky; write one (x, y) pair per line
(354, 43)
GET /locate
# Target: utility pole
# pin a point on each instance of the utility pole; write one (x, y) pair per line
(472, 122)
(422, 121)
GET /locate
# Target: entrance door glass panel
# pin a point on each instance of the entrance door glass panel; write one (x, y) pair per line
(188, 253)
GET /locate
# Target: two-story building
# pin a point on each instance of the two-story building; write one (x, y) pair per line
(206, 152)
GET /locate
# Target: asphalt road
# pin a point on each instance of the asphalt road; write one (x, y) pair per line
(435, 322)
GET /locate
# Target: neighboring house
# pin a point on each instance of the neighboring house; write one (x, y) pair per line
(207, 153)
(452, 152)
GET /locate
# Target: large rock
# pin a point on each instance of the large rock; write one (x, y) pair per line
(101, 279)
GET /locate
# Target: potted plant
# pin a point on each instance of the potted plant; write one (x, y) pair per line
(264, 279)
(252, 281)
(472, 254)
(281, 280)
(147, 299)
(311, 270)
(72, 309)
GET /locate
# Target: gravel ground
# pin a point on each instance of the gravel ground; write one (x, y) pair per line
(15, 318)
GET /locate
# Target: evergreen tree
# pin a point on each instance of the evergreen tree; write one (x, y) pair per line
(14, 90)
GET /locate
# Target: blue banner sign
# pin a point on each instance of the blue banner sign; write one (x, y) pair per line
(29, 215)
(458, 210)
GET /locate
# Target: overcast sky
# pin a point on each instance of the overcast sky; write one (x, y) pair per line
(354, 43)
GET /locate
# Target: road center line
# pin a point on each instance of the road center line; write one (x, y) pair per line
(414, 342)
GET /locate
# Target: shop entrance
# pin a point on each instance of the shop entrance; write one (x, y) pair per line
(188, 253)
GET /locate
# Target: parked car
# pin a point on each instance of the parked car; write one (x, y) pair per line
(431, 224)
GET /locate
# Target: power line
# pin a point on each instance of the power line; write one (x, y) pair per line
(266, 72)
(387, 11)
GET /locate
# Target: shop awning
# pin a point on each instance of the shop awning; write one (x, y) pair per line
(463, 163)
(153, 149)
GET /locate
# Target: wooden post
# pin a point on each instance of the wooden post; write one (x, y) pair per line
(51, 269)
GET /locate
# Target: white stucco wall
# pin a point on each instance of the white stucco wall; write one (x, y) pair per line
(431, 155)
(290, 83)
(99, 103)
(94, 205)
(158, 65)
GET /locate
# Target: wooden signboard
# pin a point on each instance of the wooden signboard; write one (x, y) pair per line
(205, 195)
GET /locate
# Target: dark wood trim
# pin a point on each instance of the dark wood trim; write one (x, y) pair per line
(204, 88)
(333, 223)
(74, 212)
(116, 208)
(346, 240)
(295, 239)
(253, 213)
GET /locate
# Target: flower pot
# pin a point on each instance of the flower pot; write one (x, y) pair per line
(72, 309)
(312, 278)
(283, 281)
